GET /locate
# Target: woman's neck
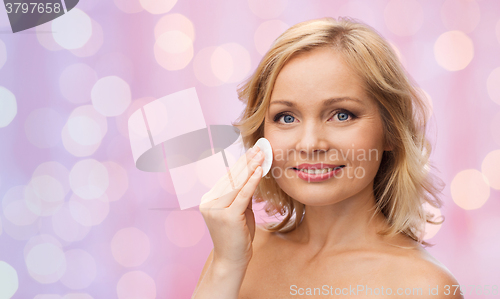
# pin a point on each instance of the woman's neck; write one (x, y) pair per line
(353, 222)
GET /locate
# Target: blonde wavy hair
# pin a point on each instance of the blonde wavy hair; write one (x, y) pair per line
(403, 182)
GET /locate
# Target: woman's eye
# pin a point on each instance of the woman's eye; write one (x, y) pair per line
(342, 116)
(286, 117)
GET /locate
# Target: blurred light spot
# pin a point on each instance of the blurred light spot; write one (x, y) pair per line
(3, 53)
(44, 195)
(470, 189)
(136, 284)
(184, 228)
(15, 208)
(491, 169)
(74, 148)
(130, 247)
(89, 212)
(128, 6)
(76, 82)
(45, 37)
(46, 262)
(55, 170)
(40, 239)
(81, 269)
(403, 17)
(79, 149)
(118, 180)
(8, 107)
(230, 62)
(66, 227)
(158, 7)
(9, 282)
(267, 33)
(174, 42)
(493, 84)
(495, 128)
(173, 50)
(26, 224)
(432, 229)
(111, 96)
(175, 22)
(89, 179)
(94, 43)
(90, 112)
(222, 64)
(84, 130)
(1, 230)
(202, 65)
(77, 296)
(267, 9)
(48, 296)
(43, 127)
(115, 64)
(122, 119)
(463, 15)
(241, 61)
(73, 29)
(453, 50)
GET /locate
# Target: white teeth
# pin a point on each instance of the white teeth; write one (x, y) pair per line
(317, 171)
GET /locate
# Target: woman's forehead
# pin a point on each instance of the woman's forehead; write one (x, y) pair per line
(319, 73)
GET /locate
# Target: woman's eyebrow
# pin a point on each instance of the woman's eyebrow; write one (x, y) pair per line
(327, 102)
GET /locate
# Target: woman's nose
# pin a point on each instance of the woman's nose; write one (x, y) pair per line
(311, 141)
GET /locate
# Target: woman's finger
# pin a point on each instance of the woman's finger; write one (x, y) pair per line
(235, 178)
(242, 171)
(241, 202)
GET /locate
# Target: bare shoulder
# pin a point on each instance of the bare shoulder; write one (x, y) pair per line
(432, 272)
(416, 268)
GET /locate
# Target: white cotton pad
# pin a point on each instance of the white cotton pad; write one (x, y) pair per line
(265, 147)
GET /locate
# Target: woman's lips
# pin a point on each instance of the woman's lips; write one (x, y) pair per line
(311, 177)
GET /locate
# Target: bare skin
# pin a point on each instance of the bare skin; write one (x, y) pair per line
(280, 262)
(337, 243)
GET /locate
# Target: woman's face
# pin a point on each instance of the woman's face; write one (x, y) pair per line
(319, 113)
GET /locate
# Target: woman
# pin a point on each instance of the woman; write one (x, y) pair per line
(332, 96)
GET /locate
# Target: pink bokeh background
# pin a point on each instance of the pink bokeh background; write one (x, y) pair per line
(79, 221)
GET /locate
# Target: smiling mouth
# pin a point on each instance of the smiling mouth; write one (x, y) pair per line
(318, 171)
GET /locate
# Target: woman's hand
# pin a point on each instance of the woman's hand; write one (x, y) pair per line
(227, 210)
